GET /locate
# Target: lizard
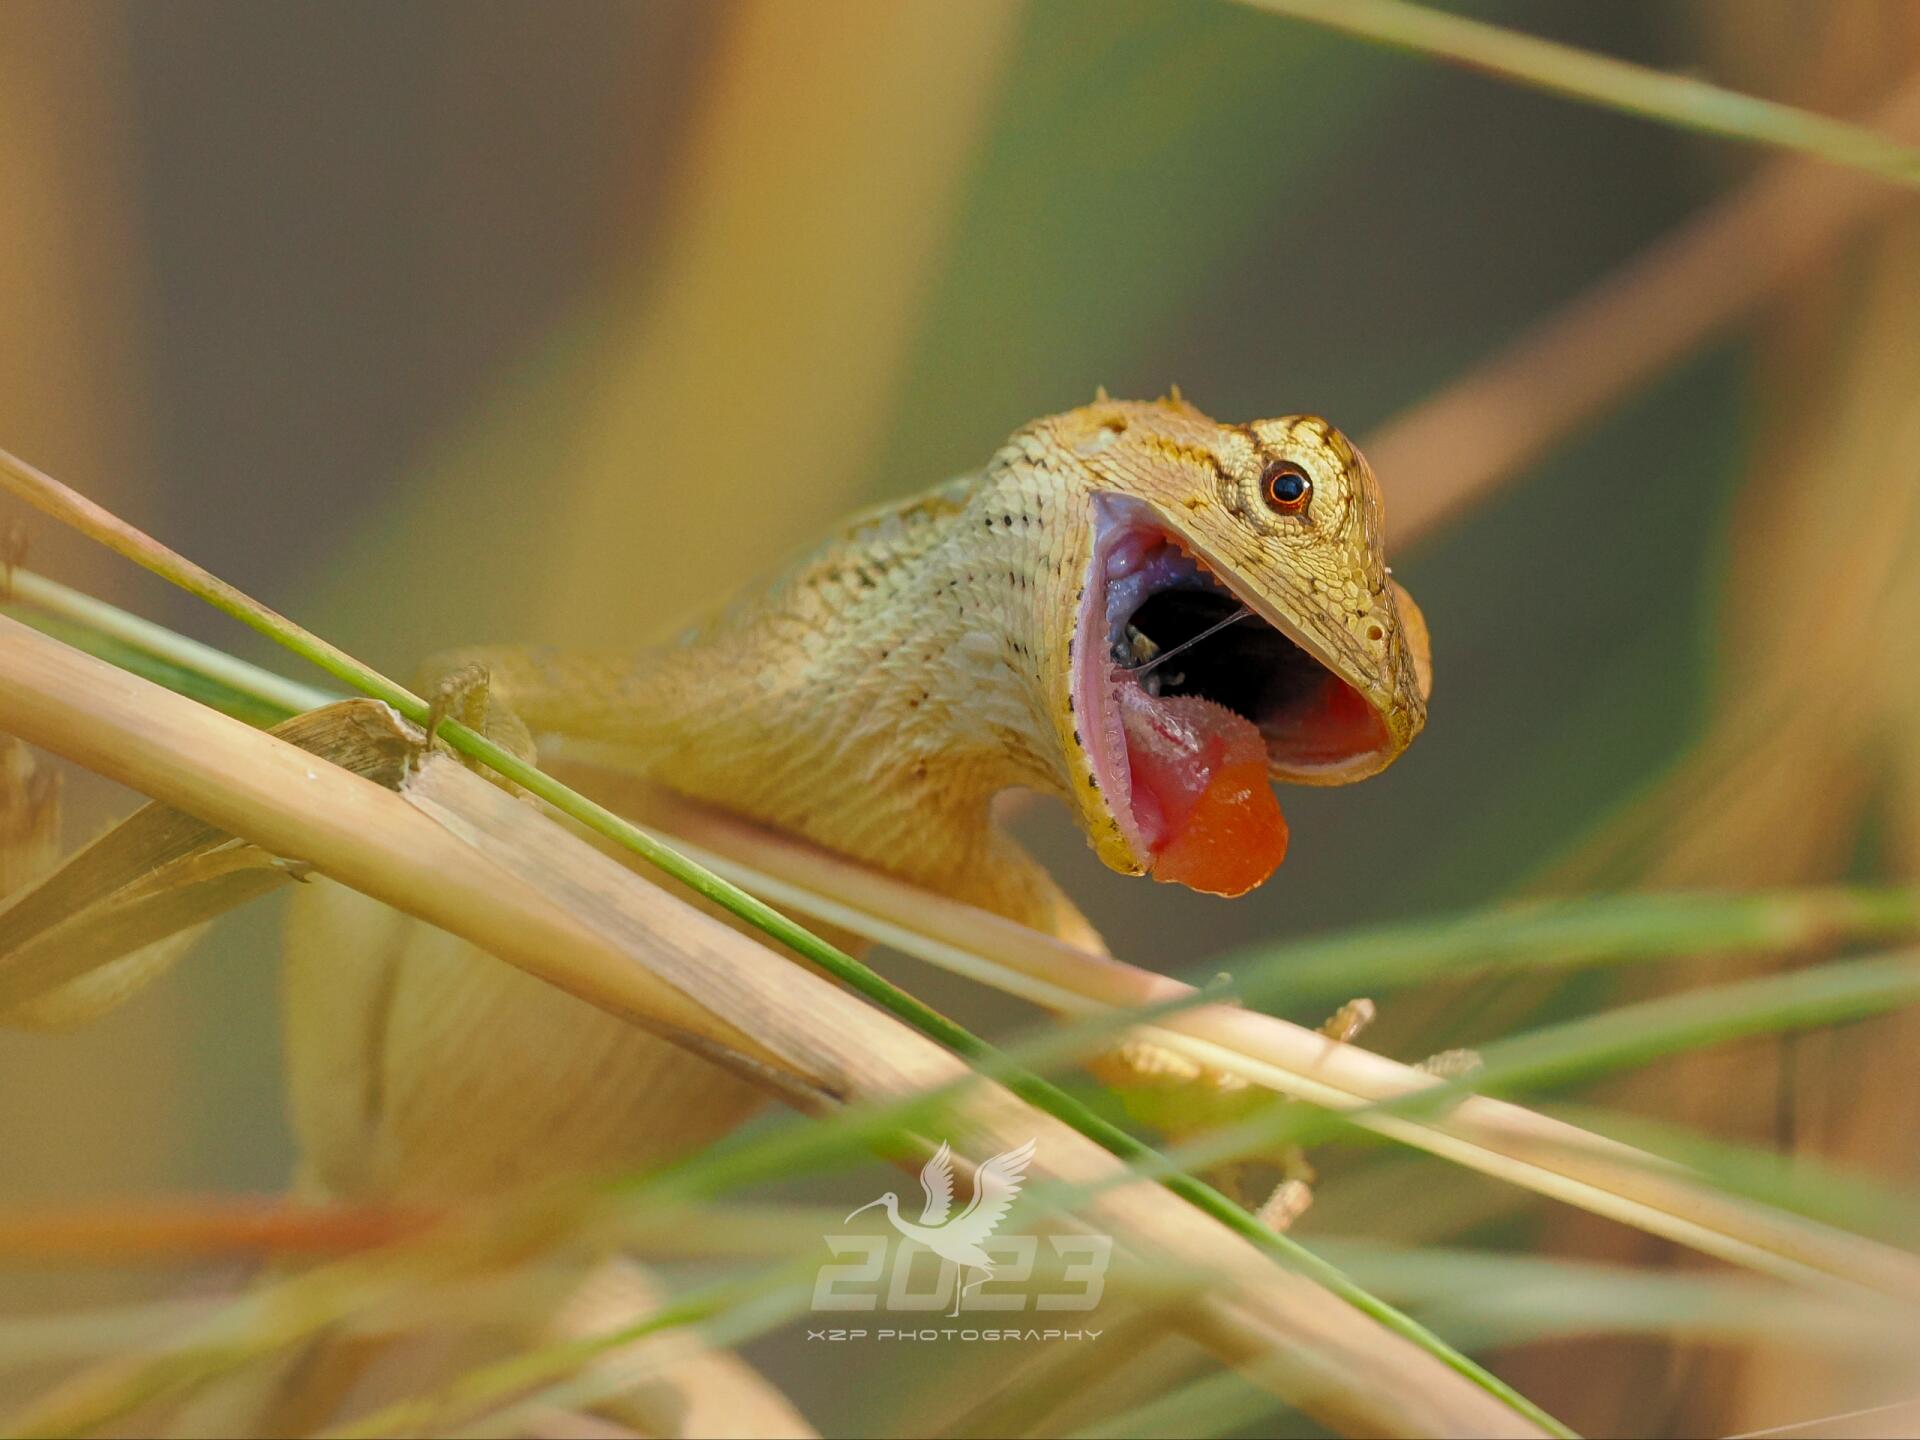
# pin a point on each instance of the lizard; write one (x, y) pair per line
(874, 699)
(1133, 608)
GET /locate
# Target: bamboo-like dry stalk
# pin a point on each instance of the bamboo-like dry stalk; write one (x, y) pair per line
(1510, 1142)
(153, 876)
(1495, 1137)
(459, 852)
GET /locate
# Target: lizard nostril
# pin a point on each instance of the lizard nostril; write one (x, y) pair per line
(1376, 632)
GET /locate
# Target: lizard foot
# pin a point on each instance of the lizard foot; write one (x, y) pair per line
(1184, 1099)
(1349, 1020)
(459, 695)
(1452, 1064)
(465, 695)
(1287, 1203)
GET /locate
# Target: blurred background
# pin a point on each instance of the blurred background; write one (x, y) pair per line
(448, 323)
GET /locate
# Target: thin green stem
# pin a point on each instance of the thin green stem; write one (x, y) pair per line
(189, 655)
(1603, 80)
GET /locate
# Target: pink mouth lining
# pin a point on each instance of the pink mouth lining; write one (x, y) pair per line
(1121, 538)
(1184, 745)
(1184, 775)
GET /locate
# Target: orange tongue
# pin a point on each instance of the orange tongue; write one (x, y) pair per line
(1200, 792)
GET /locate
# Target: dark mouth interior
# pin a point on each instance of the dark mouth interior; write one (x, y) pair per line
(1249, 667)
(1310, 719)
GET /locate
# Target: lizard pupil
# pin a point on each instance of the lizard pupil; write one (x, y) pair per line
(1287, 488)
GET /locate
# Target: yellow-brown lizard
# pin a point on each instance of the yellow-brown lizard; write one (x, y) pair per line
(988, 634)
(1122, 606)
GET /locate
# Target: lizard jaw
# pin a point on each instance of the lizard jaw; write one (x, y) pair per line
(1182, 747)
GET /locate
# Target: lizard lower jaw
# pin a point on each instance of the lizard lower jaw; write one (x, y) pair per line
(1190, 700)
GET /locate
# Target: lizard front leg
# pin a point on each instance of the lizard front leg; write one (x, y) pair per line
(1185, 1100)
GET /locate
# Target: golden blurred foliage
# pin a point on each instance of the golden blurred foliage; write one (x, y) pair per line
(1808, 768)
(72, 390)
(718, 402)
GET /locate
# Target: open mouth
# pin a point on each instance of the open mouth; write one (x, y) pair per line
(1195, 701)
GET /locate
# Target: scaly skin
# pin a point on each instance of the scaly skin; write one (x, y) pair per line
(877, 697)
(874, 700)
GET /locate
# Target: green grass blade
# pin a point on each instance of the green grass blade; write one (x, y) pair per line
(1596, 1046)
(1796, 1181)
(1569, 934)
(1602, 80)
(1633, 1035)
(182, 680)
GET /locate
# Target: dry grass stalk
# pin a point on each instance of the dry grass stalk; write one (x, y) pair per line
(263, 1227)
(455, 850)
(1508, 1141)
(29, 818)
(1546, 1156)
(1657, 309)
(126, 905)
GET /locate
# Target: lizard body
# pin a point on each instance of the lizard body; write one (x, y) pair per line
(879, 695)
(874, 700)
(1132, 608)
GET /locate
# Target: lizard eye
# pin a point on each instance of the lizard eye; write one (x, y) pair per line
(1286, 487)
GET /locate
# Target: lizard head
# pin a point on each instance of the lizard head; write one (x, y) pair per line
(1232, 623)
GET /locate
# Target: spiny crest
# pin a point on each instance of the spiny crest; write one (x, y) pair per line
(1179, 404)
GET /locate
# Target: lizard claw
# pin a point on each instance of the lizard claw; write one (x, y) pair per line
(1452, 1064)
(1349, 1020)
(1287, 1203)
(1184, 1098)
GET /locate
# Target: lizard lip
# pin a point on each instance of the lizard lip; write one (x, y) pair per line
(1158, 625)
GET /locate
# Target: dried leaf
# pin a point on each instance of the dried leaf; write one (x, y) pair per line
(124, 908)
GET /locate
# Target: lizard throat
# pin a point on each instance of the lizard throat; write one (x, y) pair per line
(1192, 702)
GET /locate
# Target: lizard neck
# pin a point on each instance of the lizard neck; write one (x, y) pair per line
(874, 699)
